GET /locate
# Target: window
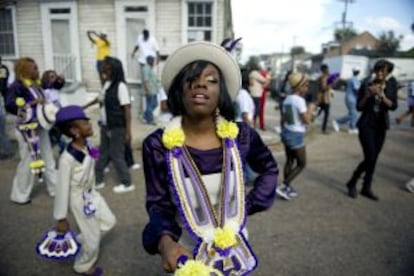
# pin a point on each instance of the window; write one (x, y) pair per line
(200, 21)
(7, 32)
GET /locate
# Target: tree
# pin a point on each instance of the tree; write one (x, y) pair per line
(389, 43)
(297, 50)
(342, 34)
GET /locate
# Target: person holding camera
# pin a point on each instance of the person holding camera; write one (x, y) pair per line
(376, 97)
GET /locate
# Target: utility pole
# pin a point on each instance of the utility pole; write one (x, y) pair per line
(343, 21)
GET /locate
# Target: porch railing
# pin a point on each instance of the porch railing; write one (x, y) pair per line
(65, 64)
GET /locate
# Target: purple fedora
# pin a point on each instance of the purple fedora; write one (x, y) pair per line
(70, 113)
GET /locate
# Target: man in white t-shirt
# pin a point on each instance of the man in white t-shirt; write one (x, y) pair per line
(147, 46)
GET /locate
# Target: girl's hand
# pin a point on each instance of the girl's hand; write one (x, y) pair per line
(62, 226)
(170, 251)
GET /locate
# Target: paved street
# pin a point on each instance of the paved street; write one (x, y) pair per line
(322, 232)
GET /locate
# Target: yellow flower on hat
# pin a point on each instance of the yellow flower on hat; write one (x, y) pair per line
(224, 238)
(226, 129)
(196, 268)
(173, 138)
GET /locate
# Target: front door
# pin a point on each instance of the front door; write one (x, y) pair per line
(61, 48)
(131, 18)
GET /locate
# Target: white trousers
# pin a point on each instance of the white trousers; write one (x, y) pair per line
(92, 230)
(24, 179)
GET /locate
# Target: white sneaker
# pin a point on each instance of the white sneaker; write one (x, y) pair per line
(410, 186)
(335, 125)
(278, 130)
(99, 185)
(121, 188)
(107, 170)
(135, 166)
(282, 192)
(353, 131)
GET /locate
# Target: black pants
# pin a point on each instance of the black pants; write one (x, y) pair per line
(325, 108)
(372, 140)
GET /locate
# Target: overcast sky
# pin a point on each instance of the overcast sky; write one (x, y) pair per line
(269, 26)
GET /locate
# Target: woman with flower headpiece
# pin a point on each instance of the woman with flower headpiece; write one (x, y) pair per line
(196, 198)
(24, 98)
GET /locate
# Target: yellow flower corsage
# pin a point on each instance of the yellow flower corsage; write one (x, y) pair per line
(226, 129)
(196, 268)
(173, 138)
(224, 238)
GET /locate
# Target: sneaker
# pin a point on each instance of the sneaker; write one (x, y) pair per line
(121, 188)
(410, 186)
(107, 170)
(291, 192)
(99, 185)
(135, 166)
(282, 192)
(353, 131)
(335, 126)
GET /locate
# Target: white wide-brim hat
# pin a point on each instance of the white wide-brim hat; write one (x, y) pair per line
(208, 51)
(46, 114)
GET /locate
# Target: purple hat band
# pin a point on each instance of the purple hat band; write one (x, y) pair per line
(70, 113)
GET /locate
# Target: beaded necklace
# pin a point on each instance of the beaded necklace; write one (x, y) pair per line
(220, 242)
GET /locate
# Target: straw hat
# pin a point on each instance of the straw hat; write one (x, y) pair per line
(203, 50)
(296, 80)
(46, 114)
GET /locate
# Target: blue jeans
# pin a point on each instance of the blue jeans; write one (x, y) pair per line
(150, 105)
(352, 116)
(5, 146)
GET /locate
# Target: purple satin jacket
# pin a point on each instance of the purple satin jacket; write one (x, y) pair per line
(17, 89)
(160, 203)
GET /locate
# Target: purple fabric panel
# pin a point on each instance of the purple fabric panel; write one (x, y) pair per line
(17, 89)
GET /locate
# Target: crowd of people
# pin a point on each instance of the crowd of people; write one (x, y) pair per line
(196, 166)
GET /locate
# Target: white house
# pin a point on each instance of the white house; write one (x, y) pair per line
(53, 32)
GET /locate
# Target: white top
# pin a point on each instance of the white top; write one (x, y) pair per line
(245, 104)
(52, 96)
(146, 48)
(256, 80)
(293, 106)
(123, 97)
(165, 116)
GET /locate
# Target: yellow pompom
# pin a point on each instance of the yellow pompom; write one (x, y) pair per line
(196, 268)
(173, 138)
(37, 164)
(224, 238)
(27, 82)
(20, 102)
(226, 129)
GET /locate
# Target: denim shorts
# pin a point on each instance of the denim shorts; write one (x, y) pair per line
(293, 139)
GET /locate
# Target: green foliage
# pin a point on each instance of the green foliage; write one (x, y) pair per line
(389, 43)
(342, 34)
(297, 50)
